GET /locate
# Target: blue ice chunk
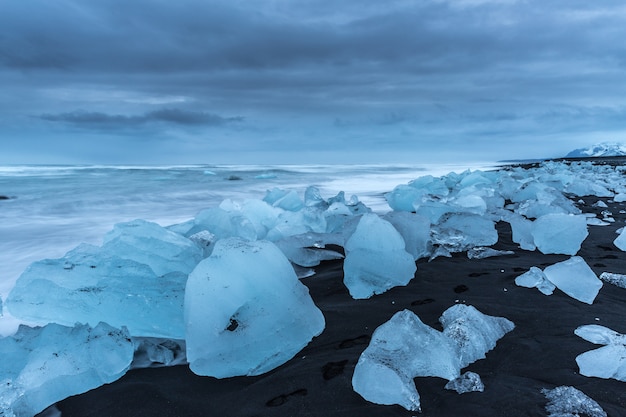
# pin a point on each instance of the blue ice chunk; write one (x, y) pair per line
(148, 243)
(89, 285)
(609, 361)
(459, 232)
(559, 233)
(246, 312)
(567, 401)
(575, 278)
(404, 348)
(376, 259)
(535, 278)
(43, 365)
(415, 231)
(468, 382)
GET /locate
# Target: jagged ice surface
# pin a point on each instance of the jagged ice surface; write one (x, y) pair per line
(566, 401)
(246, 312)
(43, 365)
(608, 361)
(404, 348)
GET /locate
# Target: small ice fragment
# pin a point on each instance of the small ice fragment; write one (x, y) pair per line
(620, 241)
(468, 382)
(600, 204)
(600, 335)
(615, 279)
(482, 252)
(566, 401)
(574, 278)
(535, 278)
(594, 221)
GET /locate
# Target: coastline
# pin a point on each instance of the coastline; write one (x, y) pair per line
(539, 353)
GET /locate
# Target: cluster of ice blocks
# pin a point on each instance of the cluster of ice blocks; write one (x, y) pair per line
(153, 281)
(404, 348)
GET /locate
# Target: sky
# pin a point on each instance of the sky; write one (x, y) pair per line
(308, 81)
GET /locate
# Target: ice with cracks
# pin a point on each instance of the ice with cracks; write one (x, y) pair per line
(212, 284)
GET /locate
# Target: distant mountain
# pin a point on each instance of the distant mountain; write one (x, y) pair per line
(601, 149)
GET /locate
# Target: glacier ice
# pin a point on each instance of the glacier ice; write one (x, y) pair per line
(567, 401)
(467, 382)
(600, 335)
(459, 232)
(404, 348)
(246, 312)
(620, 241)
(559, 233)
(535, 278)
(148, 243)
(575, 278)
(609, 361)
(376, 259)
(308, 249)
(613, 278)
(151, 352)
(89, 285)
(43, 365)
(414, 229)
(482, 252)
(473, 332)
(521, 231)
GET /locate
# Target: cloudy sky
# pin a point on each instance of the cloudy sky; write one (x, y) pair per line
(308, 81)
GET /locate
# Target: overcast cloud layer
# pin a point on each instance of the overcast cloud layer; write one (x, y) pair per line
(318, 81)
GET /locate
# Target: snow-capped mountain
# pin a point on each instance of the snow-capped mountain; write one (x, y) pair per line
(600, 149)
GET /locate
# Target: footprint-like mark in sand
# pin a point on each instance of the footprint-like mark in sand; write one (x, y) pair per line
(333, 369)
(606, 248)
(518, 269)
(357, 341)
(282, 399)
(422, 302)
(461, 288)
(609, 257)
(599, 265)
(477, 274)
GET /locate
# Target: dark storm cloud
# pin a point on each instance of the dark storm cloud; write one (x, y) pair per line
(99, 120)
(441, 72)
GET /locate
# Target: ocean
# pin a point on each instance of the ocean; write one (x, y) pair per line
(52, 209)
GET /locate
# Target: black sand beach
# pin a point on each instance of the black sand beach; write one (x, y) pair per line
(539, 353)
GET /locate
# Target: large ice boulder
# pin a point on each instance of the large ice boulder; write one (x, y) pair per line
(609, 361)
(90, 285)
(148, 243)
(43, 365)
(376, 259)
(246, 312)
(575, 278)
(405, 348)
(559, 233)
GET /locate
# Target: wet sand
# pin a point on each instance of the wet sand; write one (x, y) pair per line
(539, 353)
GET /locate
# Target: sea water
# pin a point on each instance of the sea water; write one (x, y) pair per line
(52, 209)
